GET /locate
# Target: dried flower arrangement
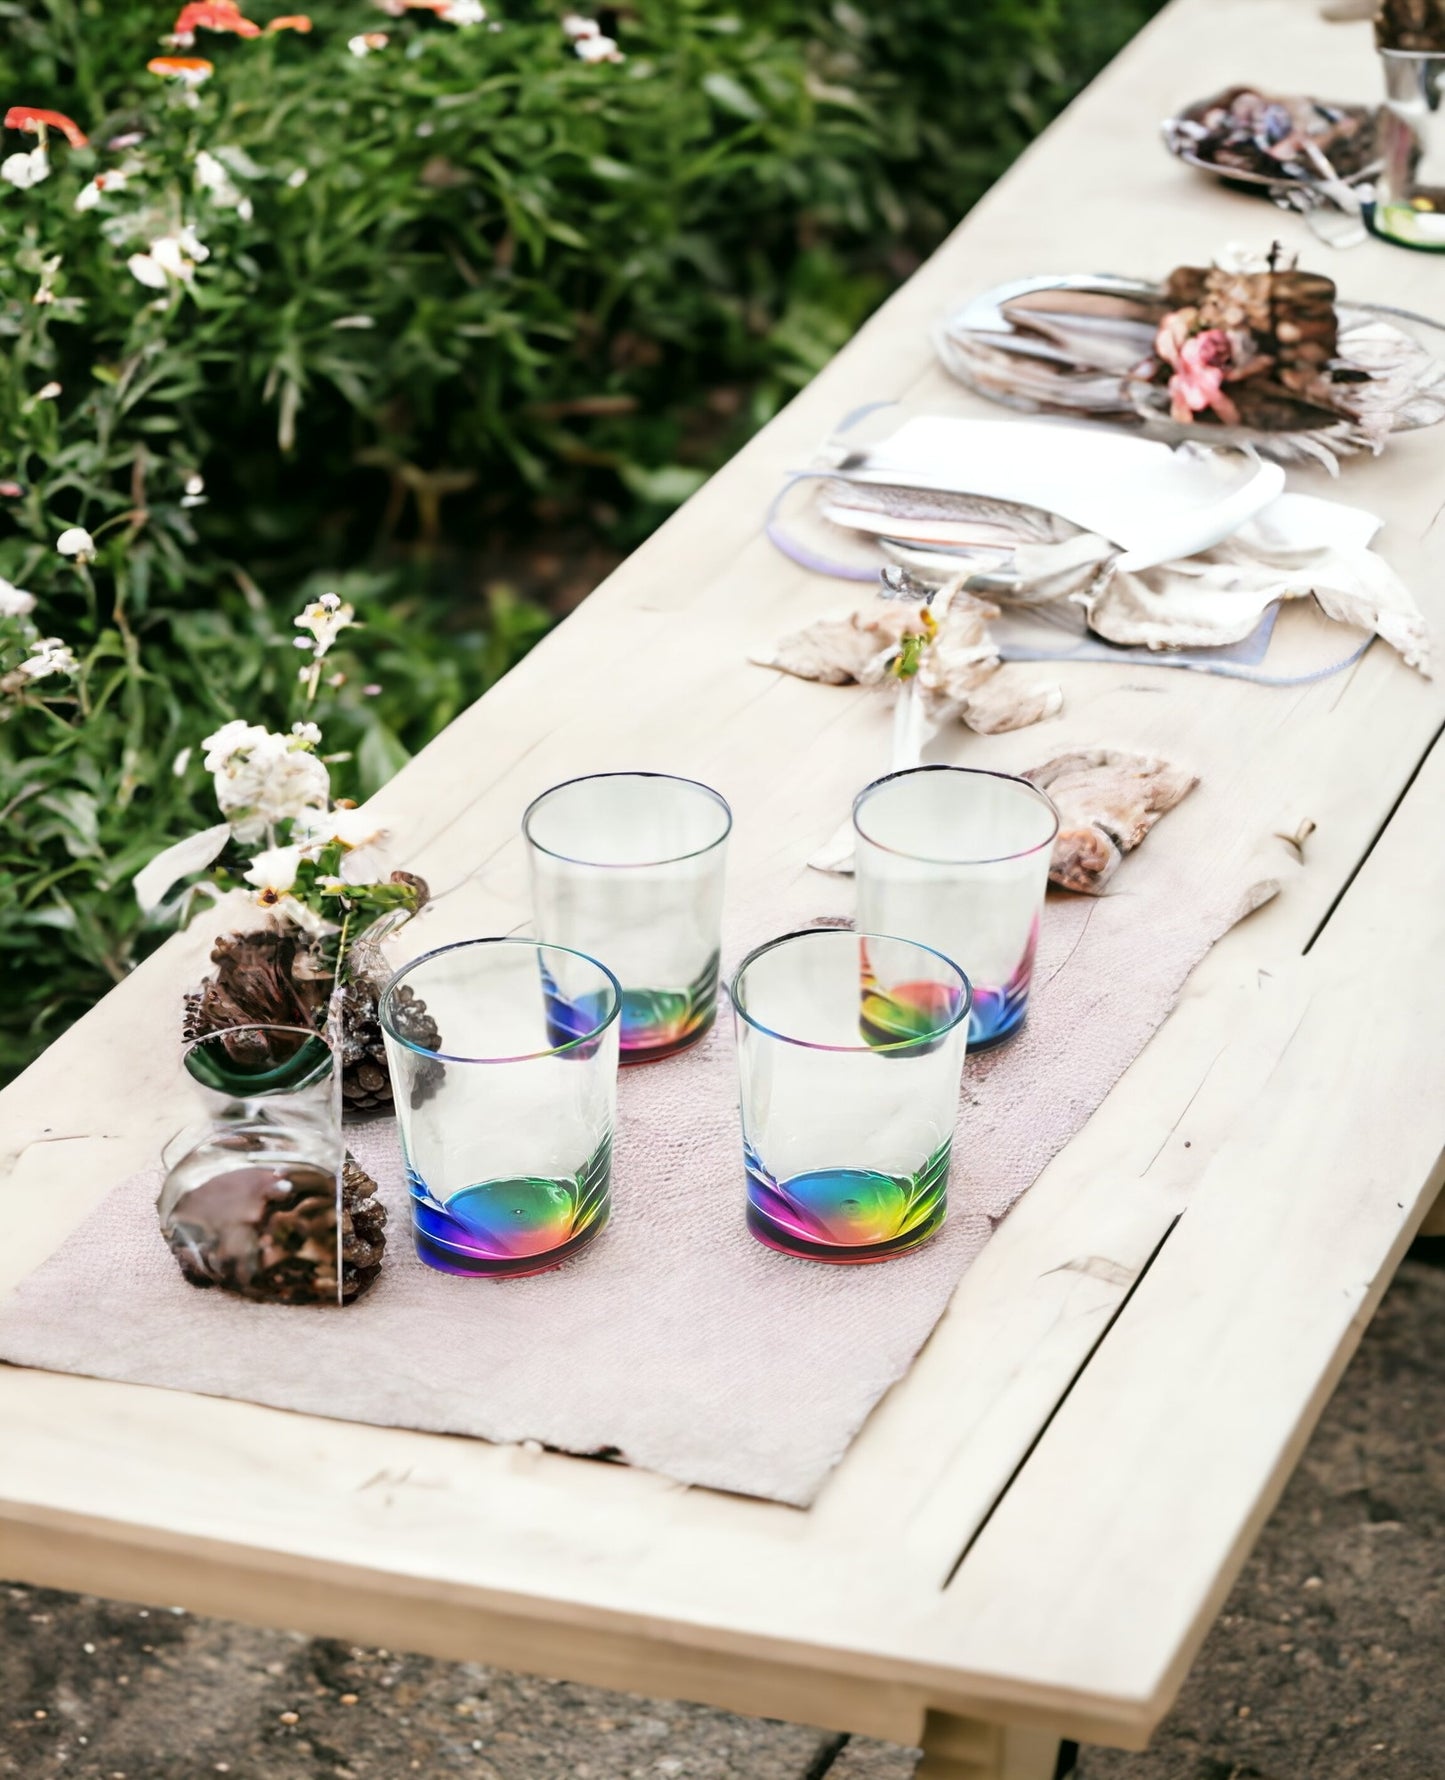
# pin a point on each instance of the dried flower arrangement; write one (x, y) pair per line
(1244, 134)
(296, 858)
(1252, 350)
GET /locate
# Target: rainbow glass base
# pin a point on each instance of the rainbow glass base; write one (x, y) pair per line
(996, 1018)
(658, 1023)
(514, 1225)
(847, 1216)
(998, 1014)
(646, 1039)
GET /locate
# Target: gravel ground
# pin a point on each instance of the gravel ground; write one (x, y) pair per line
(1325, 1665)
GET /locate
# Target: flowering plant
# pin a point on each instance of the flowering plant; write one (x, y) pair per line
(279, 315)
(293, 852)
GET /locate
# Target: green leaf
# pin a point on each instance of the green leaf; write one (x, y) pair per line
(380, 757)
(731, 95)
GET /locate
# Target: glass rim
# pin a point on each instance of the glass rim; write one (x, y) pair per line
(977, 772)
(260, 1083)
(960, 1018)
(626, 864)
(384, 1000)
(204, 1038)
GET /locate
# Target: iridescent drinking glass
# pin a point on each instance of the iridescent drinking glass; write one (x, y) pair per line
(506, 1126)
(850, 1054)
(958, 859)
(628, 867)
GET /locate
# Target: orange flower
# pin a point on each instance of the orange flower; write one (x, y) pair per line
(292, 21)
(212, 15)
(189, 70)
(27, 117)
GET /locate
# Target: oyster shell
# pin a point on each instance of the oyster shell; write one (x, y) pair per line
(1107, 801)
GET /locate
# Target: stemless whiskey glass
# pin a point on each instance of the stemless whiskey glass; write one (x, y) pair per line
(959, 859)
(506, 1126)
(628, 867)
(850, 1054)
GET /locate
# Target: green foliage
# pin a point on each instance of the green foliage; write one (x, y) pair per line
(449, 287)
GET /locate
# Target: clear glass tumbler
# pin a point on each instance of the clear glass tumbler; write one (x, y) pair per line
(506, 1127)
(252, 1198)
(850, 1054)
(629, 867)
(959, 859)
(1410, 202)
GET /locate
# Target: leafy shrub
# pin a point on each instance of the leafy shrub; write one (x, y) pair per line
(341, 319)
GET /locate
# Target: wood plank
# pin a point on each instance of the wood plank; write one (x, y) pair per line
(535, 1559)
(1106, 1577)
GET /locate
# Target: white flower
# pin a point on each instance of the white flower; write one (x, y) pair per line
(353, 828)
(181, 860)
(24, 170)
(394, 9)
(366, 41)
(104, 184)
(50, 656)
(195, 492)
(76, 541)
(214, 177)
(148, 271)
(576, 26)
(598, 49)
(292, 909)
(263, 779)
(15, 602)
(463, 12)
(181, 762)
(298, 176)
(171, 257)
(47, 392)
(231, 738)
(45, 290)
(274, 870)
(325, 619)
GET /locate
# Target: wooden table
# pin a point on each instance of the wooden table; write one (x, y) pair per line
(1035, 1529)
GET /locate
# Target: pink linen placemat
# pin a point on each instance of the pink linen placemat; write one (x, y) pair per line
(677, 1342)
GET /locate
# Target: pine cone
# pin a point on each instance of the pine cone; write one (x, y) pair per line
(270, 978)
(366, 1083)
(363, 1230)
(274, 1239)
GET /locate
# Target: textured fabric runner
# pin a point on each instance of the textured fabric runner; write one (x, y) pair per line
(676, 1342)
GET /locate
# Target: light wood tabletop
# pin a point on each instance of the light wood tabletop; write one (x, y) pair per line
(1035, 1529)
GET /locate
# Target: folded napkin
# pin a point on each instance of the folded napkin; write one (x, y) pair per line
(1299, 545)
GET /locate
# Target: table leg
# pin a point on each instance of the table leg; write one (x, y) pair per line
(969, 1749)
